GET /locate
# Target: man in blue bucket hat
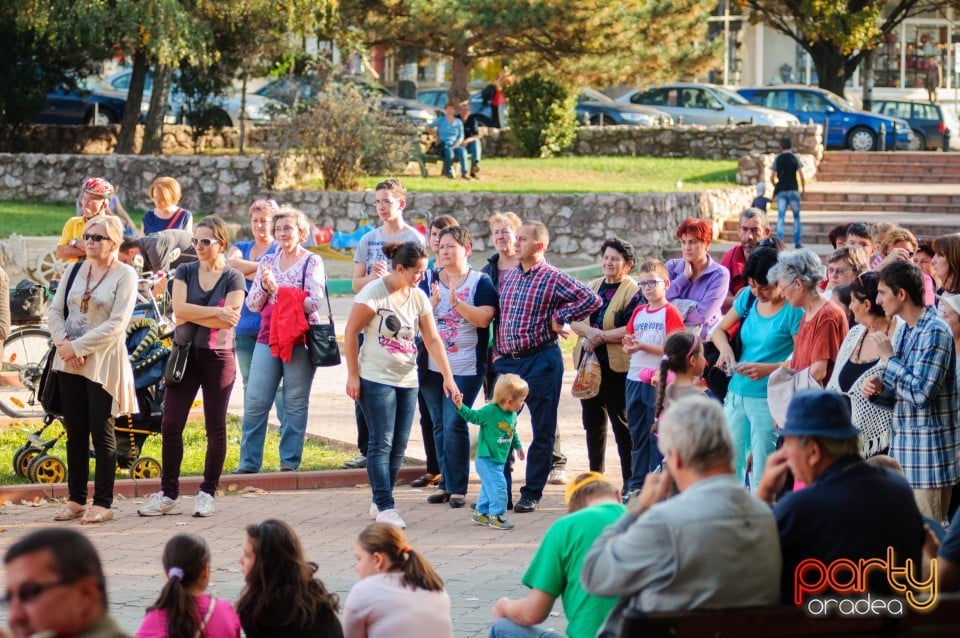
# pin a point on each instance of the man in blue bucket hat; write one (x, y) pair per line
(847, 509)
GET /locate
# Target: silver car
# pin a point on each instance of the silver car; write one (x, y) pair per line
(259, 109)
(707, 104)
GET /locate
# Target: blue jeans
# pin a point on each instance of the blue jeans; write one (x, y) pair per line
(543, 372)
(449, 153)
(474, 151)
(644, 456)
(245, 345)
(389, 414)
(752, 430)
(451, 434)
(789, 199)
(260, 394)
(493, 487)
(506, 628)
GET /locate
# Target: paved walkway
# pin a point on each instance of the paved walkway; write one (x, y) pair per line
(478, 564)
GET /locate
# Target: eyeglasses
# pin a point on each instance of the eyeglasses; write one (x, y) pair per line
(389, 201)
(650, 283)
(206, 242)
(838, 271)
(29, 592)
(94, 238)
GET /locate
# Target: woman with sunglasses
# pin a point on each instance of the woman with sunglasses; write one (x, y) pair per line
(88, 321)
(207, 294)
(289, 286)
(859, 360)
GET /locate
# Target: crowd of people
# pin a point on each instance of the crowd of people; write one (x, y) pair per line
(831, 371)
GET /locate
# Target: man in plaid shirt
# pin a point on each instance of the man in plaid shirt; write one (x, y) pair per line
(920, 376)
(537, 301)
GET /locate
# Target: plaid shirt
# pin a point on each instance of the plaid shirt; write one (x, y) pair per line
(921, 376)
(530, 299)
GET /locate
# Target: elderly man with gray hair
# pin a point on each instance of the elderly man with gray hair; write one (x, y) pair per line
(689, 551)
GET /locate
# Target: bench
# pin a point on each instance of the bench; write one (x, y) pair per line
(426, 150)
(787, 621)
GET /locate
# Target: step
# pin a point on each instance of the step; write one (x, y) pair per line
(839, 158)
(907, 209)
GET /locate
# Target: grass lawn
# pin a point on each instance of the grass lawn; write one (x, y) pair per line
(316, 455)
(36, 219)
(579, 175)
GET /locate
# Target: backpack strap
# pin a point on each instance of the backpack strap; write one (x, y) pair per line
(206, 619)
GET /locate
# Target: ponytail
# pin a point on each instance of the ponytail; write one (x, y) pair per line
(677, 350)
(416, 570)
(184, 558)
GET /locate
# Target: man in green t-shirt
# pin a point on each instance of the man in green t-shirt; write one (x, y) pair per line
(555, 570)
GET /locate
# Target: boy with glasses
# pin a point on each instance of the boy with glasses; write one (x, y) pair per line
(648, 327)
(370, 264)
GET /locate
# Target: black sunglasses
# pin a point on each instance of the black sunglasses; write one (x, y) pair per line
(96, 238)
(30, 591)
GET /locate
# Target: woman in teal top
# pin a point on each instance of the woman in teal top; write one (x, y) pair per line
(768, 333)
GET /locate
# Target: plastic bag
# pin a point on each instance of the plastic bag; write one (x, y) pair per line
(586, 385)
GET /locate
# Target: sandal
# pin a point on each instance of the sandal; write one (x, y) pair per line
(92, 518)
(68, 513)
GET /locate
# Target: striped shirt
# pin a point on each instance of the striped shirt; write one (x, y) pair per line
(530, 299)
(921, 375)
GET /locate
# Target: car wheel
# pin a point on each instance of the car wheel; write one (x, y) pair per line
(918, 143)
(102, 117)
(861, 139)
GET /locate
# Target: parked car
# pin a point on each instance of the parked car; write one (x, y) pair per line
(304, 88)
(707, 104)
(845, 126)
(926, 120)
(72, 105)
(226, 111)
(593, 107)
(596, 109)
(437, 98)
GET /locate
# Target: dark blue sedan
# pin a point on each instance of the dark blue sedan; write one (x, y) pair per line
(845, 126)
(76, 105)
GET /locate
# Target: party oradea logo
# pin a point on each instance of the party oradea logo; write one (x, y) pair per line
(840, 588)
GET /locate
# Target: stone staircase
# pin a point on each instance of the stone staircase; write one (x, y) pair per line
(920, 191)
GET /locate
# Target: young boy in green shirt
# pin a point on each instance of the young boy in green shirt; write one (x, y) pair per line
(498, 433)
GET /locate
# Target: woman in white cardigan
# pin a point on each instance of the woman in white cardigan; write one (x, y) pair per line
(858, 361)
(88, 325)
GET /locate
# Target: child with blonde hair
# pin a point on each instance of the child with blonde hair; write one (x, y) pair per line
(498, 434)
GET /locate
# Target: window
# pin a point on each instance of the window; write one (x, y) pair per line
(810, 103)
(776, 100)
(926, 112)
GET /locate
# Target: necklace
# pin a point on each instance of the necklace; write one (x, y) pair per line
(88, 291)
(857, 357)
(450, 281)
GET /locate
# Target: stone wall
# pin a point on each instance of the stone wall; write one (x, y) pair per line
(753, 169)
(703, 142)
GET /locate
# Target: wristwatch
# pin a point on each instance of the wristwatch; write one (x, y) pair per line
(74, 242)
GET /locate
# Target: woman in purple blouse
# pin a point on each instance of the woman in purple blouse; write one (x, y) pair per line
(698, 284)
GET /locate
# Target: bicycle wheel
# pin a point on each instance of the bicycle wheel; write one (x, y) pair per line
(24, 353)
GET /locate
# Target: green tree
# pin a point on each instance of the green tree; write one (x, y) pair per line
(542, 117)
(837, 33)
(44, 43)
(593, 41)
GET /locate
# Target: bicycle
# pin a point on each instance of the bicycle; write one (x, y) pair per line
(25, 352)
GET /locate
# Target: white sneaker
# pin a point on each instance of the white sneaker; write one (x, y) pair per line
(391, 517)
(557, 476)
(373, 511)
(203, 504)
(159, 505)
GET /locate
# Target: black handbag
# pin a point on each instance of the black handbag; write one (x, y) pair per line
(322, 338)
(716, 379)
(177, 360)
(48, 390)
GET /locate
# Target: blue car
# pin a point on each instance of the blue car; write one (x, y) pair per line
(68, 105)
(845, 126)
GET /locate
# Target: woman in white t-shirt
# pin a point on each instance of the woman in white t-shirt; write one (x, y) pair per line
(382, 374)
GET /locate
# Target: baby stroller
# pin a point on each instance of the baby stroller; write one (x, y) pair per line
(148, 356)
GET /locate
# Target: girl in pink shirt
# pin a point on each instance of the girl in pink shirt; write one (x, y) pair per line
(183, 609)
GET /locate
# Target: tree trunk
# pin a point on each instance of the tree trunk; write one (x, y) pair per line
(131, 113)
(153, 128)
(460, 77)
(243, 110)
(868, 80)
(831, 66)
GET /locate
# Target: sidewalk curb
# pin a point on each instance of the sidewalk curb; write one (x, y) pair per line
(230, 483)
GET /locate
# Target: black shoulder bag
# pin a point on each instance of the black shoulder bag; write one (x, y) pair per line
(48, 390)
(716, 379)
(322, 338)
